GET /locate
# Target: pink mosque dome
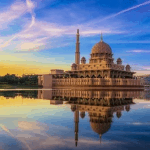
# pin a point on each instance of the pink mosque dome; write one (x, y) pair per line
(100, 128)
(101, 47)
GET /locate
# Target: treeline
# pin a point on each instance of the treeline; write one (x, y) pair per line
(24, 80)
(24, 94)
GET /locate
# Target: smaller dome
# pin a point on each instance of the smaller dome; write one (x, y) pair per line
(127, 66)
(127, 108)
(73, 108)
(82, 114)
(83, 58)
(118, 114)
(119, 59)
(74, 65)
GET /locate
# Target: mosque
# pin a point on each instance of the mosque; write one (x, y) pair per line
(100, 71)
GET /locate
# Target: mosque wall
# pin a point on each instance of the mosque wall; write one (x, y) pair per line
(57, 71)
(45, 94)
(97, 66)
(40, 80)
(96, 82)
(85, 94)
(45, 81)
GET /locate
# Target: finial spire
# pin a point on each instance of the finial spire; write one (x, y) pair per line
(100, 137)
(101, 37)
(76, 143)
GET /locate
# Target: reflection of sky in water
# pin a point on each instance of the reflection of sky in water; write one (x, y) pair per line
(35, 124)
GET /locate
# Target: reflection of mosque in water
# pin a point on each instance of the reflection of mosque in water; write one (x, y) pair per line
(102, 98)
(100, 117)
(100, 106)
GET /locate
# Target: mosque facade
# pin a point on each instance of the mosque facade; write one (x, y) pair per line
(100, 71)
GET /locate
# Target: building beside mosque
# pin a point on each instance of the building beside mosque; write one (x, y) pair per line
(100, 71)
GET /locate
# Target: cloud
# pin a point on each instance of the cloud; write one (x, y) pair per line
(13, 12)
(138, 51)
(142, 100)
(44, 140)
(95, 32)
(140, 123)
(29, 126)
(6, 129)
(142, 72)
(119, 41)
(40, 34)
(146, 67)
(31, 6)
(141, 69)
(30, 46)
(46, 32)
(13, 136)
(16, 10)
(125, 10)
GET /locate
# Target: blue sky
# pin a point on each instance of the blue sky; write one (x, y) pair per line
(40, 34)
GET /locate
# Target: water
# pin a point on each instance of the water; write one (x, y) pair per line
(68, 119)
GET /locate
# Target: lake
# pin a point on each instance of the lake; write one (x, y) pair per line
(74, 119)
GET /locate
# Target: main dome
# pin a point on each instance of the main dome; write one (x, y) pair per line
(101, 47)
(100, 128)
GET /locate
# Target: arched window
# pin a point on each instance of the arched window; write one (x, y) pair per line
(93, 76)
(99, 76)
(81, 76)
(87, 76)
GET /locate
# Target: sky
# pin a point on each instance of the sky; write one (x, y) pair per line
(39, 35)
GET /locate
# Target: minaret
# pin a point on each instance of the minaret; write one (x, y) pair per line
(101, 37)
(76, 120)
(77, 53)
(100, 136)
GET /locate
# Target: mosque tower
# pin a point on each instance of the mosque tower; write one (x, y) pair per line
(76, 120)
(77, 53)
(101, 37)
